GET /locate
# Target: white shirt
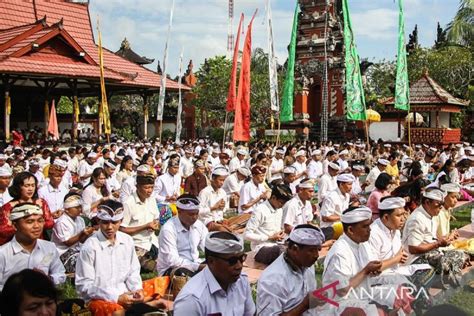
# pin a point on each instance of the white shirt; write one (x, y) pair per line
(104, 270)
(276, 165)
(297, 212)
(281, 288)
(371, 177)
(202, 295)
(300, 167)
(264, 222)
(53, 196)
(343, 164)
(419, 228)
(84, 169)
(14, 258)
(383, 243)
(232, 184)
(356, 187)
(65, 228)
(208, 197)
(249, 192)
(187, 167)
(334, 204)
(179, 246)
(167, 185)
(129, 186)
(90, 195)
(236, 163)
(112, 183)
(425, 166)
(326, 185)
(5, 197)
(137, 213)
(344, 260)
(315, 169)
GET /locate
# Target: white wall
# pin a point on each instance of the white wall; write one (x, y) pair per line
(387, 131)
(443, 119)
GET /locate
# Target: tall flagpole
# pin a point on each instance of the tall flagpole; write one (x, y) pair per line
(180, 102)
(272, 70)
(161, 102)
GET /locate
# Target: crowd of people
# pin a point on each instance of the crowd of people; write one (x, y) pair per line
(107, 213)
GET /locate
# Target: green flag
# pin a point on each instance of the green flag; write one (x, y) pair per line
(402, 87)
(355, 98)
(286, 113)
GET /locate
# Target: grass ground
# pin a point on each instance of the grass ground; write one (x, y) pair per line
(463, 300)
(462, 215)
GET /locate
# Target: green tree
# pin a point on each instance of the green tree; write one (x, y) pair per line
(461, 29)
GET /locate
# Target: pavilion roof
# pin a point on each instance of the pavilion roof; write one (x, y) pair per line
(427, 92)
(25, 23)
(127, 52)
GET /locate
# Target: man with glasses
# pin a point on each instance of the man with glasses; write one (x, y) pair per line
(264, 229)
(220, 288)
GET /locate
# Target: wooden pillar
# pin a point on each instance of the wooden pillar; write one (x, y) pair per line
(7, 113)
(145, 116)
(437, 119)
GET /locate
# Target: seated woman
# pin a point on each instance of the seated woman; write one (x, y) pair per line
(381, 190)
(24, 189)
(70, 231)
(108, 270)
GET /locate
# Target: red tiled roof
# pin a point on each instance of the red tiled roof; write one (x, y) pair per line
(76, 21)
(426, 91)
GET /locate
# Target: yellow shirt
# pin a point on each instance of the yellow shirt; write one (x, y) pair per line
(442, 222)
(392, 170)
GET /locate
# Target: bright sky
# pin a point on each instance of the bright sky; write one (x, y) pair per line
(200, 26)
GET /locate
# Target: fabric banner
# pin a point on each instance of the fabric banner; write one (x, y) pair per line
(53, 122)
(179, 125)
(402, 86)
(355, 98)
(242, 107)
(272, 64)
(231, 96)
(104, 108)
(161, 100)
(286, 114)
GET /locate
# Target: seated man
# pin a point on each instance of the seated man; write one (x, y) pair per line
(26, 250)
(70, 231)
(220, 288)
(181, 238)
(336, 202)
(385, 243)
(344, 264)
(234, 183)
(253, 192)
(214, 202)
(197, 180)
(264, 229)
(108, 270)
(442, 220)
(140, 220)
(328, 181)
(298, 210)
(286, 286)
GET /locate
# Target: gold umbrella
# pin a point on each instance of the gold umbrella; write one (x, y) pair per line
(372, 116)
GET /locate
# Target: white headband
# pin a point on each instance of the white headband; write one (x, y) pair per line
(105, 213)
(224, 246)
(24, 210)
(187, 204)
(73, 201)
(391, 203)
(307, 236)
(435, 194)
(356, 215)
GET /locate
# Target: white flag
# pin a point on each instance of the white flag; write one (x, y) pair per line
(161, 101)
(180, 103)
(272, 64)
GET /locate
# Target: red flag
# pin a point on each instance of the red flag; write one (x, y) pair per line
(242, 107)
(231, 97)
(53, 122)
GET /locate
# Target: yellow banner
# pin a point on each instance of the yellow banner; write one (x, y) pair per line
(76, 109)
(8, 104)
(104, 109)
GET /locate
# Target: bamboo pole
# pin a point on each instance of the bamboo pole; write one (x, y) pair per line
(409, 132)
(225, 127)
(278, 131)
(367, 125)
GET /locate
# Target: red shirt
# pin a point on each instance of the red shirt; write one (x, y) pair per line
(6, 227)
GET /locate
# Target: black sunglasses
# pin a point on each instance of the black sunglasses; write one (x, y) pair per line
(232, 261)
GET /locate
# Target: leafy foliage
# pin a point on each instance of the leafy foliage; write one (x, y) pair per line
(461, 29)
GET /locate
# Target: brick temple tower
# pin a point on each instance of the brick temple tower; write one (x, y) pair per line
(320, 39)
